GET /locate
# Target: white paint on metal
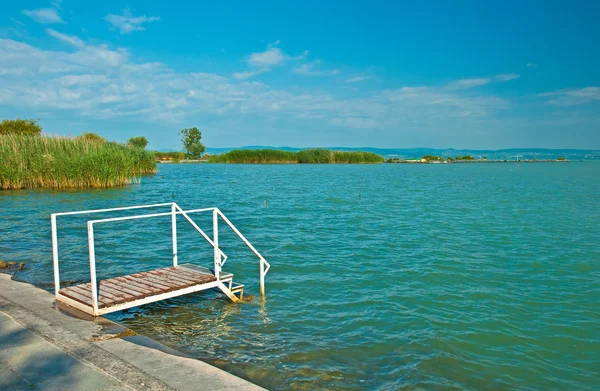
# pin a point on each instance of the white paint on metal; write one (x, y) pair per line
(148, 216)
(204, 235)
(262, 269)
(174, 233)
(92, 252)
(135, 303)
(219, 256)
(55, 254)
(111, 209)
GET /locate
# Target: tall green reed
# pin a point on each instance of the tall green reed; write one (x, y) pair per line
(61, 162)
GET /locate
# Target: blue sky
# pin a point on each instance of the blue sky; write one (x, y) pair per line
(440, 74)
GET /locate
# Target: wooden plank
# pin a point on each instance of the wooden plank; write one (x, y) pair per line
(193, 273)
(156, 276)
(139, 285)
(129, 294)
(170, 287)
(141, 280)
(128, 288)
(71, 294)
(194, 278)
(197, 278)
(172, 279)
(182, 281)
(87, 288)
(87, 292)
(161, 279)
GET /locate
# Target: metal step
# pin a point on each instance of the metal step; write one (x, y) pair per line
(238, 288)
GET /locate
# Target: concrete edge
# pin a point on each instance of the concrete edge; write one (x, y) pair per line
(137, 362)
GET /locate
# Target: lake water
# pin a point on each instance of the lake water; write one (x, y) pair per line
(384, 277)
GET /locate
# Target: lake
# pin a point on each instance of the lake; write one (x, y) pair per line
(384, 277)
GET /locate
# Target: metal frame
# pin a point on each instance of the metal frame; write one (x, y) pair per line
(219, 257)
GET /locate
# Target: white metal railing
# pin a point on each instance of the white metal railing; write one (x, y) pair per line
(219, 256)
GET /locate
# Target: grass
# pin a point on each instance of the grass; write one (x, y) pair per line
(311, 156)
(28, 162)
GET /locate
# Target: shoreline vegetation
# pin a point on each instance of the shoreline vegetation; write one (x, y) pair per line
(306, 156)
(431, 159)
(29, 161)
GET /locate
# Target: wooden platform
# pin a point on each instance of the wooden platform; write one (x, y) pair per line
(139, 286)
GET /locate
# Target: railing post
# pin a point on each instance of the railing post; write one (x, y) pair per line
(92, 251)
(55, 254)
(262, 277)
(217, 253)
(174, 231)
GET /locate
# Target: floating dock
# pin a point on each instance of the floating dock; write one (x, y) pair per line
(119, 293)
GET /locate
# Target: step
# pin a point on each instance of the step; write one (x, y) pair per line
(238, 288)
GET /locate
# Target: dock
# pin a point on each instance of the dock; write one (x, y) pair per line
(98, 297)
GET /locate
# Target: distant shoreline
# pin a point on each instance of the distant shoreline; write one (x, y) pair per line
(475, 161)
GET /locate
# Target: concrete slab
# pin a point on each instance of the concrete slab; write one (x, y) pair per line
(187, 372)
(48, 347)
(11, 381)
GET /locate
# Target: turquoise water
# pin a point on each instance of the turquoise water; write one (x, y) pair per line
(386, 277)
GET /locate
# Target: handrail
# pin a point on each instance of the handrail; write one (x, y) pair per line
(264, 265)
(148, 216)
(219, 255)
(250, 246)
(79, 212)
(55, 236)
(193, 223)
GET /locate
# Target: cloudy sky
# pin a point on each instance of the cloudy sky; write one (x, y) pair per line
(312, 73)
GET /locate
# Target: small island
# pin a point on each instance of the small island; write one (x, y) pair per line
(306, 156)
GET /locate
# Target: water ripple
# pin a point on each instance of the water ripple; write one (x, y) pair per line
(465, 277)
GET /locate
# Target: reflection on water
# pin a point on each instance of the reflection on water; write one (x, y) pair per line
(436, 277)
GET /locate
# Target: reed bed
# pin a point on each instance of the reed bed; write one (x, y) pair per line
(310, 156)
(28, 162)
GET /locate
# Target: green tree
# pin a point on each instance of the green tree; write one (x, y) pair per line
(20, 126)
(138, 142)
(190, 137)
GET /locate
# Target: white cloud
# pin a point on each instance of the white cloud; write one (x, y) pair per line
(269, 58)
(468, 83)
(18, 22)
(355, 122)
(70, 39)
(573, 97)
(464, 84)
(311, 69)
(531, 64)
(44, 15)
(99, 82)
(249, 74)
(127, 23)
(507, 76)
(357, 79)
(265, 61)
